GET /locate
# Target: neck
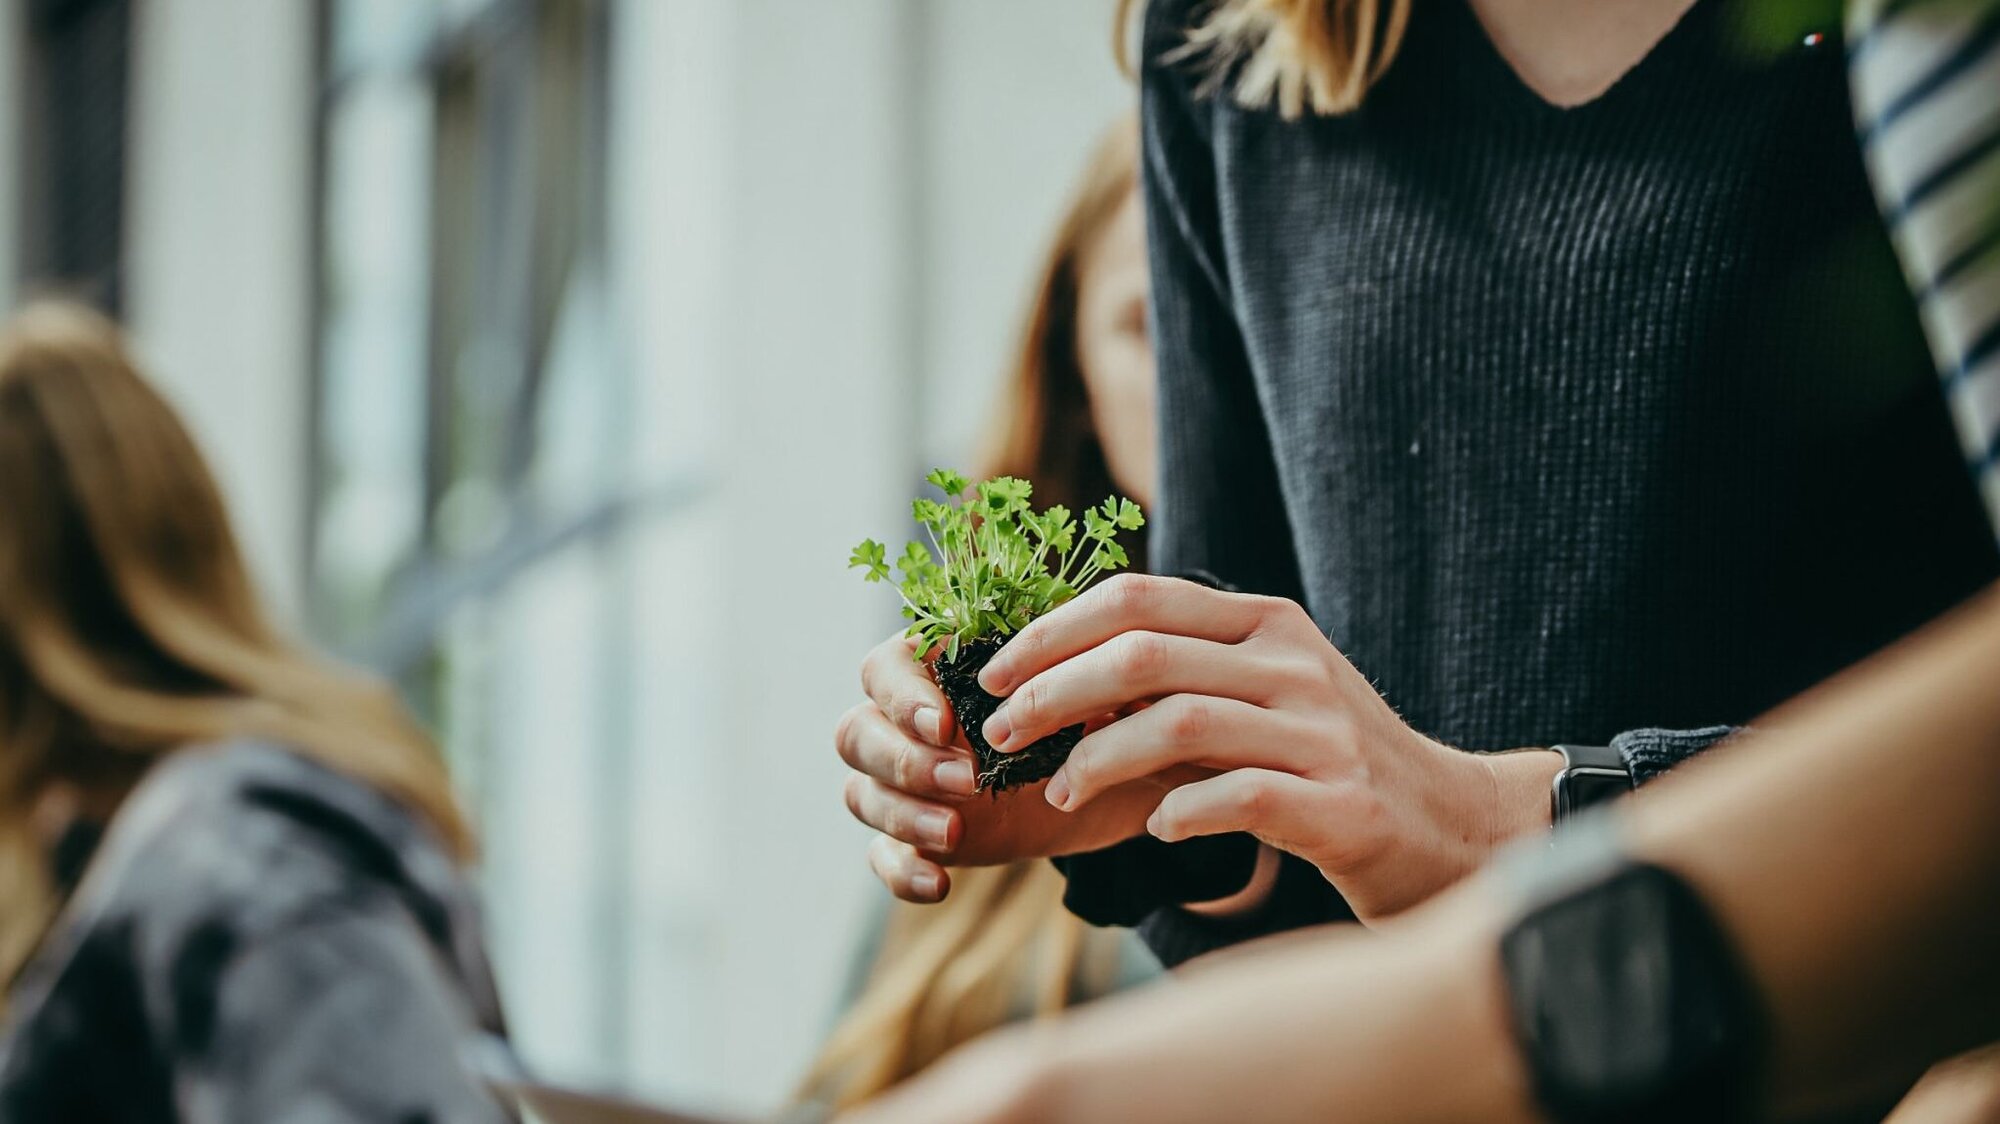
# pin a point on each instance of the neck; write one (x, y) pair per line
(1571, 51)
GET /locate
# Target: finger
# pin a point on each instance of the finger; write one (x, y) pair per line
(903, 688)
(1324, 823)
(1125, 603)
(1129, 667)
(908, 875)
(933, 828)
(1202, 730)
(872, 744)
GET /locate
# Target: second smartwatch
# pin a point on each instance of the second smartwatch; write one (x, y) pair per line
(1591, 775)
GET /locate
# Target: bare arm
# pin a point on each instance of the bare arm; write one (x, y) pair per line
(1867, 901)
(1864, 902)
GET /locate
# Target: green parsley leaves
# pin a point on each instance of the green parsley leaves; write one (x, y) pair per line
(993, 564)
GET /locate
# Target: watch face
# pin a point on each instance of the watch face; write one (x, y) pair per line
(1584, 788)
(1631, 1006)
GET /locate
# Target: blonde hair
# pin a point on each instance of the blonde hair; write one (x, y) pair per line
(1322, 55)
(129, 627)
(1002, 942)
(948, 973)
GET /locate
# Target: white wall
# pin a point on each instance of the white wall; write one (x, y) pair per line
(764, 166)
(10, 149)
(820, 379)
(827, 215)
(1016, 93)
(217, 248)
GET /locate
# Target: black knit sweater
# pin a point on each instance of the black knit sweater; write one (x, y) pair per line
(1565, 425)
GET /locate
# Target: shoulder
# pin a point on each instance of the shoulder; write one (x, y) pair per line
(222, 859)
(1185, 86)
(221, 846)
(1164, 55)
(1168, 22)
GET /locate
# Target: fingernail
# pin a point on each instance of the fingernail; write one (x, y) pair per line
(1154, 827)
(935, 828)
(956, 776)
(925, 886)
(991, 679)
(998, 728)
(1058, 790)
(930, 725)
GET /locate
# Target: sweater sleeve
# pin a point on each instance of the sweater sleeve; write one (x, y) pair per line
(1301, 897)
(1651, 752)
(1220, 508)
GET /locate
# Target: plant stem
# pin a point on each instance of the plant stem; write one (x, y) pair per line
(944, 555)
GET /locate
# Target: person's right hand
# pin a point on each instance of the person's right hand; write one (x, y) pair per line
(913, 782)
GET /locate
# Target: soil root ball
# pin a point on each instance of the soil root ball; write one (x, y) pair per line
(972, 706)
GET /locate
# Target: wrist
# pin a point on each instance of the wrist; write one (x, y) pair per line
(1521, 782)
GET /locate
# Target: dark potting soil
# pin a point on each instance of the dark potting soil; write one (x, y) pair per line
(972, 706)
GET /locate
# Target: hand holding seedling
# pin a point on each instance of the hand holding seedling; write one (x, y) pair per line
(992, 564)
(1239, 715)
(1306, 755)
(913, 783)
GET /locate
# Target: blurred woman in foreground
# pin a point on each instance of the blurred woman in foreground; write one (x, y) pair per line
(230, 881)
(1078, 424)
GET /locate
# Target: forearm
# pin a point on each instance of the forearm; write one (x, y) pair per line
(1864, 899)
(1367, 1046)
(1851, 850)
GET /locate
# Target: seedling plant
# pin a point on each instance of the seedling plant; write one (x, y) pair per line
(988, 565)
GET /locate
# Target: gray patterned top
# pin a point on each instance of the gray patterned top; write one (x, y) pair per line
(257, 939)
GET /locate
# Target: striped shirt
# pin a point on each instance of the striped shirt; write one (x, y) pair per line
(1925, 80)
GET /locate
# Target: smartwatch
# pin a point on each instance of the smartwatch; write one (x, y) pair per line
(1627, 997)
(1591, 775)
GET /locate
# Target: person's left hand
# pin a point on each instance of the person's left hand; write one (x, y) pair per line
(1312, 760)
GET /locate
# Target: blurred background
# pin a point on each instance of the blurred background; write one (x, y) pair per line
(552, 354)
